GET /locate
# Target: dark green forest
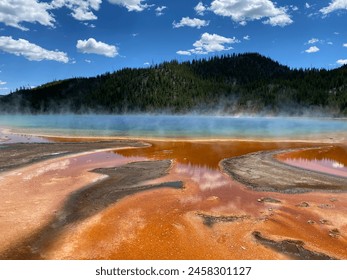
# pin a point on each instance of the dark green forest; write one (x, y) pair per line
(230, 84)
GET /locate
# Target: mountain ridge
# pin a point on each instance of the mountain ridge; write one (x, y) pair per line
(246, 83)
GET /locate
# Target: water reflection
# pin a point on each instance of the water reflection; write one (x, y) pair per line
(331, 160)
(207, 188)
(206, 178)
(210, 190)
(321, 165)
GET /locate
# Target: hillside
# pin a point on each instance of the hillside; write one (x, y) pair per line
(232, 84)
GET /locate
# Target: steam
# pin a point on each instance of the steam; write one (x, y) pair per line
(169, 126)
(234, 106)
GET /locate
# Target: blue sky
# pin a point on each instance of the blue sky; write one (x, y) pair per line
(41, 41)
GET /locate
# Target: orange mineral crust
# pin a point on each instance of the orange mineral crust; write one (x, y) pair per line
(206, 222)
(211, 217)
(207, 153)
(32, 195)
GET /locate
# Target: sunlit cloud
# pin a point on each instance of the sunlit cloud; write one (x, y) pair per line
(91, 46)
(200, 9)
(210, 43)
(15, 12)
(313, 41)
(312, 49)
(30, 51)
(333, 6)
(81, 9)
(159, 11)
(191, 22)
(242, 11)
(131, 5)
(342, 61)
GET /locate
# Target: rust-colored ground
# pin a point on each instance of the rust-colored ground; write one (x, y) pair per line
(212, 217)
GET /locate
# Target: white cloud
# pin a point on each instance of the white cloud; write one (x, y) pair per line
(312, 49)
(294, 8)
(279, 20)
(30, 51)
(242, 11)
(345, 45)
(81, 9)
(2, 83)
(184, 52)
(146, 64)
(200, 9)
(131, 5)
(342, 61)
(210, 43)
(247, 38)
(88, 61)
(191, 22)
(333, 6)
(313, 41)
(13, 12)
(91, 46)
(159, 10)
(89, 24)
(307, 5)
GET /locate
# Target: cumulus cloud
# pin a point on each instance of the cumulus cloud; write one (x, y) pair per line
(200, 9)
(345, 45)
(312, 49)
(333, 6)
(342, 61)
(242, 11)
(191, 22)
(92, 46)
(81, 9)
(210, 43)
(159, 10)
(307, 5)
(313, 41)
(30, 51)
(131, 5)
(247, 38)
(14, 12)
(2, 83)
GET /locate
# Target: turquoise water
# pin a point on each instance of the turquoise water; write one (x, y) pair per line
(173, 126)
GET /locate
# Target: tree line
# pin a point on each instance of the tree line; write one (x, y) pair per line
(230, 84)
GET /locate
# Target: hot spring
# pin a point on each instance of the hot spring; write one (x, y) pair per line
(168, 126)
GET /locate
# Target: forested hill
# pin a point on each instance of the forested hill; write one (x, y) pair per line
(232, 84)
